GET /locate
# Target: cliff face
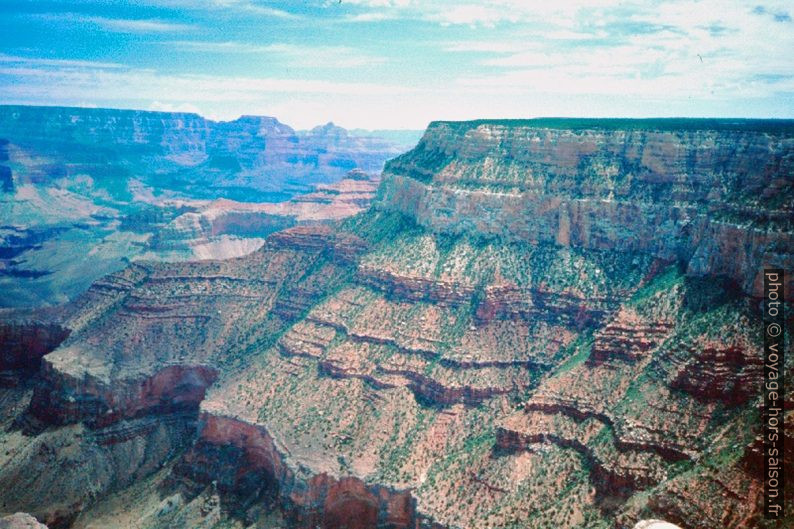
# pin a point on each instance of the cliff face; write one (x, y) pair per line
(455, 356)
(717, 196)
(25, 343)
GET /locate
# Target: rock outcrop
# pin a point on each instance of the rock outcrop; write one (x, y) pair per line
(457, 355)
(714, 194)
(20, 520)
(243, 459)
(25, 343)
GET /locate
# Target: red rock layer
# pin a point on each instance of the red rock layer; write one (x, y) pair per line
(62, 399)
(22, 345)
(627, 338)
(252, 460)
(701, 196)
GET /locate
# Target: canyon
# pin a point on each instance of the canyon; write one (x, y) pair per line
(518, 324)
(85, 191)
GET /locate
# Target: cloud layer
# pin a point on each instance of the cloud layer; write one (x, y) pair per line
(402, 63)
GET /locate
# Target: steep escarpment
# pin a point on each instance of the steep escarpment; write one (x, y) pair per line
(480, 364)
(243, 460)
(171, 327)
(713, 194)
(145, 344)
(24, 345)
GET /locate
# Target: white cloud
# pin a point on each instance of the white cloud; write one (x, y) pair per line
(100, 84)
(291, 54)
(252, 7)
(485, 46)
(123, 25)
(692, 49)
(381, 3)
(118, 25)
(473, 15)
(249, 7)
(63, 63)
(370, 17)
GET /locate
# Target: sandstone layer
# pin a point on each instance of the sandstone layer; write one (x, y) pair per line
(715, 195)
(483, 364)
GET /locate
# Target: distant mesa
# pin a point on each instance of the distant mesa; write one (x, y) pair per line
(97, 187)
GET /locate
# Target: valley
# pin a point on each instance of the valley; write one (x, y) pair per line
(86, 191)
(517, 323)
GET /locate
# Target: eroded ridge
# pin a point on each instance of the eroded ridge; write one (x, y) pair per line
(532, 327)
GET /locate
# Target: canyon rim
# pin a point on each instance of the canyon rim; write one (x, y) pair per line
(431, 312)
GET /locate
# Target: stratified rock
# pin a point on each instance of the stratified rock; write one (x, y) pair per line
(185, 151)
(223, 229)
(85, 191)
(711, 193)
(528, 328)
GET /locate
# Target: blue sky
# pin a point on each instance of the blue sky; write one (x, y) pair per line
(402, 63)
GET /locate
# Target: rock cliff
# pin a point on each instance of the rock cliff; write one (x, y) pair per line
(248, 157)
(716, 195)
(529, 328)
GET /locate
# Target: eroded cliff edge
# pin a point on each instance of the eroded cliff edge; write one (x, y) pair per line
(715, 194)
(422, 366)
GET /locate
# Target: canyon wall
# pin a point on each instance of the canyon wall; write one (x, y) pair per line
(716, 195)
(455, 356)
(173, 150)
(84, 191)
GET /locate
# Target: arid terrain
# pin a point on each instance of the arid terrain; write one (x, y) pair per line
(549, 323)
(85, 191)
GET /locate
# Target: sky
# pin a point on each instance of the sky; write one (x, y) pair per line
(399, 64)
